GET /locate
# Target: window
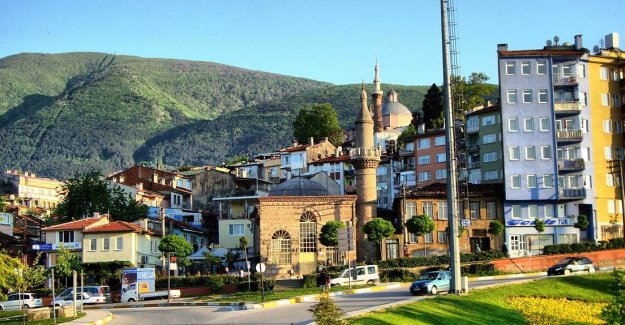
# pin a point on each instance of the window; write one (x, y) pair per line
(411, 209)
(515, 181)
(532, 211)
(605, 100)
(119, 243)
(93, 244)
(603, 73)
(545, 152)
(516, 211)
(442, 236)
(583, 98)
(280, 248)
(548, 181)
(308, 233)
(412, 238)
(541, 67)
(611, 206)
(441, 173)
(616, 100)
(609, 180)
(489, 138)
(542, 96)
(548, 210)
(488, 120)
(235, 229)
(442, 210)
(428, 208)
(513, 125)
(530, 153)
(491, 175)
(608, 153)
(615, 75)
(567, 238)
(567, 70)
(106, 244)
(527, 96)
(66, 236)
(526, 67)
(511, 96)
(441, 157)
(491, 210)
(424, 143)
(511, 67)
(424, 160)
(514, 153)
(425, 176)
(607, 126)
(573, 182)
(531, 181)
(439, 141)
(427, 238)
(528, 124)
(474, 209)
(490, 156)
(544, 124)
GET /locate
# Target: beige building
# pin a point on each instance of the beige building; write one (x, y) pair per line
(29, 190)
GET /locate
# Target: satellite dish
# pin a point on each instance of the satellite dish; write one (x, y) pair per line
(549, 42)
(595, 49)
(556, 39)
(566, 44)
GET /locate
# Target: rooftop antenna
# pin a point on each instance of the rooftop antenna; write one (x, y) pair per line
(549, 43)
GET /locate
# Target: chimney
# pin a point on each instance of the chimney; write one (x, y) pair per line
(421, 128)
(502, 47)
(312, 141)
(611, 41)
(122, 178)
(295, 143)
(96, 214)
(578, 42)
(155, 177)
(140, 186)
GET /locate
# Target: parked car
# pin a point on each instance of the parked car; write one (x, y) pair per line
(572, 264)
(68, 300)
(19, 301)
(97, 294)
(431, 282)
(359, 275)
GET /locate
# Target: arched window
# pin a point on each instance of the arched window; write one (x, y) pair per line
(308, 233)
(280, 247)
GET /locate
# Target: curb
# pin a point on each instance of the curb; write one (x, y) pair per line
(104, 320)
(507, 276)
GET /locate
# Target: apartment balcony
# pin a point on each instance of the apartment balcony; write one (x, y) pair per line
(567, 108)
(473, 129)
(568, 136)
(571, 165)
(572, 194)
(474, 148)
(475, 164)
(350, 173)
(406, 152)
(565, 81)
(350, 189)
(407, 168)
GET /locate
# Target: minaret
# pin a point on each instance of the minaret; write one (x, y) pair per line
(377, 100)
(365, 158)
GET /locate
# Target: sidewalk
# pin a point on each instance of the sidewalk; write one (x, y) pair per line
(94, 317)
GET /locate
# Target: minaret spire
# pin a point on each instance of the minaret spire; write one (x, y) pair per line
(376, 98)
(376, 80)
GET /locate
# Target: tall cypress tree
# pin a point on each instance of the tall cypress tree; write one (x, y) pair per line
(433, 108)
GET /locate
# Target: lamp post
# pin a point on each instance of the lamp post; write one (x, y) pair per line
(169, 277)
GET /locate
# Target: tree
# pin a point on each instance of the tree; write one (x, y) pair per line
(495, 228)
(377, 229)
(35, 275)
(89, 193)
(3, 204)
(66, 262)
(471, 93)
(211, 259)
(420, 225)
(9, 278)
(326, 312)
(539, 225)
(317, 121)
(614, 312)
(582, 222)
(178, 246)
(329, 235)
(433, 108)
(410, 130)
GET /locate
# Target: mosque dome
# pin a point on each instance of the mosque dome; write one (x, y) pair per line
(299, 186)
(393, 107)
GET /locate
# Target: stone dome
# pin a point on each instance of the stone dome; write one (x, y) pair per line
(299, 186)
(395, 108)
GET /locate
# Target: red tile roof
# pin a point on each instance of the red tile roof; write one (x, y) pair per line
(116, 226)
(543, 53)
(74, 225)
(300, 147)
(331, 159)
(493, 108)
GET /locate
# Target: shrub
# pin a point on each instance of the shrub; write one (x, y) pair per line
(397, 275)
(584, 247)
(614, 312)
(326, 312)
(480, 269)
(42, 292)
(439, 260)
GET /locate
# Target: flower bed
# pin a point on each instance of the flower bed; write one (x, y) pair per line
(539, 310)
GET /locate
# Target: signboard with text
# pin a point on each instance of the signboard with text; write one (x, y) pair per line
(56, 246)
(6, 218)
(346, 239)
(548, 222)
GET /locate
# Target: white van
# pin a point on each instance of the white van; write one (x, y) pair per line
(365, 274)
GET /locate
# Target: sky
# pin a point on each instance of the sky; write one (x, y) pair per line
(325, 40)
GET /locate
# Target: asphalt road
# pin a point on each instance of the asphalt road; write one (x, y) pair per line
(290, 314)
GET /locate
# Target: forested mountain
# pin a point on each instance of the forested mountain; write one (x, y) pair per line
(64, 114)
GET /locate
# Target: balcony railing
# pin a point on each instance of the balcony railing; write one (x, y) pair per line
(473, 129)
(475, 164)
(406, 151)
(406, 168)
(569, 135)
(567, 108)
(573, 193)
(559, 80)
(474, 148)
(350, 173)
(571, 165)
(365, 153)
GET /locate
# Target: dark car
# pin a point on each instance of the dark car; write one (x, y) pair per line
(572, 264)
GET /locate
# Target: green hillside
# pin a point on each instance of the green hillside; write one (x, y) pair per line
(62, 114)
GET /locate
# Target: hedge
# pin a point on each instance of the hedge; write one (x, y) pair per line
(215, 282)
(584, 247)
(439, 260)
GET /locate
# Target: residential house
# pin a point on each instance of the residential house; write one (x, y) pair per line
(431, 157)
(296, 158)
(483, 144)
(30, 191)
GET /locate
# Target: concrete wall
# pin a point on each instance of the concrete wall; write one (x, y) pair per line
(606, 258)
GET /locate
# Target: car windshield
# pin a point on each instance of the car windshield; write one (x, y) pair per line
(429, 276)
(565, 261)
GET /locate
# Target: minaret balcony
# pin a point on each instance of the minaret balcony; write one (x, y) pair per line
(372, 153)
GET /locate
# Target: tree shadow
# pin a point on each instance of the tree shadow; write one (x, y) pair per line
(30, 105)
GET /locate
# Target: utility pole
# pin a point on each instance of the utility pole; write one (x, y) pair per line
(622, 185)
(454, 253)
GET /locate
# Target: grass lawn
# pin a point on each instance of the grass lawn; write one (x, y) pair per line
(489, 306)
(255, 297)
(18, 321)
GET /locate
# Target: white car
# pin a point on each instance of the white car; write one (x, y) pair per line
(27, 300)
(364, 274)
(68, 300)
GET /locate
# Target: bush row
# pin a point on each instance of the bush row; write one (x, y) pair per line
(215, 282)
(439, 260)
(584, 247)
(404, 275)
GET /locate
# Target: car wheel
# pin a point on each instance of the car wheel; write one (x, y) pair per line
(591, 270)
(131, 300)
(371, 282)
(1, 308)
(25, 307)
(434, 290)
(567, 272)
